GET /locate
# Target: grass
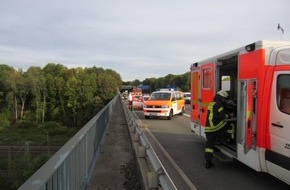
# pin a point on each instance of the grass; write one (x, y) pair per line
(36, 135)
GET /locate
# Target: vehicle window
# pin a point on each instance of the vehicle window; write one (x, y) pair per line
(206, 79)
(226, 83)
(173, 97)
(160, 96)
(179, 96)
(283, 93)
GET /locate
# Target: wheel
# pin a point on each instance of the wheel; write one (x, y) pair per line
(147, 117)
(182, 111)
(170, 115)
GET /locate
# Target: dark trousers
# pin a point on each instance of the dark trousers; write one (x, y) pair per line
(210, 144)
(130, 103)
(211, 140)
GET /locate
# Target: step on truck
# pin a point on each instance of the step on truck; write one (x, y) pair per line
(257, 79)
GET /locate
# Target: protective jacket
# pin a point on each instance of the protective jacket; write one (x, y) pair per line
(216, 115)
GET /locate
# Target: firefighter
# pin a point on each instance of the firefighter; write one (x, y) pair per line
(215, 123)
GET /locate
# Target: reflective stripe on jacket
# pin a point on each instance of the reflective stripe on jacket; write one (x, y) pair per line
(215, 117)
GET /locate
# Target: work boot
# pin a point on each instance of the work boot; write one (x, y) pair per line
(209, 164)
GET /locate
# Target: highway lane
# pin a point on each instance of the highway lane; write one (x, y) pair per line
(186, 149)
(187, 109)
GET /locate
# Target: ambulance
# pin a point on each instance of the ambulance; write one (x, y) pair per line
(164, 103)
(257, 79)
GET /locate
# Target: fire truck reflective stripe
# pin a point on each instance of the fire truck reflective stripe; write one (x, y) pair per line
(221, 109)
(212, 127)
(215, 128)
(209, 150)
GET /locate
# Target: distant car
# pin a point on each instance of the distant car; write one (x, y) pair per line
(138, 102)
(187, 97)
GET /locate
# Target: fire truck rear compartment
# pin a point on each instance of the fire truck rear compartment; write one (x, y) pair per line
(227, 77)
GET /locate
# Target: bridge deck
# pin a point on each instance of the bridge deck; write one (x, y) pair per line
(116, 153)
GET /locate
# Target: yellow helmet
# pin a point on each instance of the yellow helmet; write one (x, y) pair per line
(223, 93)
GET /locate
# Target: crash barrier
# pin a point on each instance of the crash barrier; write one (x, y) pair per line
(153, 173)
(71, 166)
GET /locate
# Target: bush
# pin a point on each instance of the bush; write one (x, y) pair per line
(50, 125)
(57, 131)
(4, 122)
(23, 124)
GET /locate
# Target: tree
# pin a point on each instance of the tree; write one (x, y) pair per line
(60, 112)
(56, 93)
(71, 91)
(178, 81)
(108, 83)
(20, 87)
(5, 88)
(53, 103)
(136, 82)
(37, 82)
(87, 93)
(185, 82)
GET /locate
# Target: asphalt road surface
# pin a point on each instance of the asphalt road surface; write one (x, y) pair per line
(186, 149)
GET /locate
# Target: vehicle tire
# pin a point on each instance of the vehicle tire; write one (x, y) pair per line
(147, 117)
(170, 115)
(182, 111)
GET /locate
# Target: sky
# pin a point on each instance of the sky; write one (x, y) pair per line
(139, 39)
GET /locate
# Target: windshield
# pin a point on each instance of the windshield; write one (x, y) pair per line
(160, 96)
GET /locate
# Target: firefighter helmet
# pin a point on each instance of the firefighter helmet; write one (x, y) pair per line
(223, 93)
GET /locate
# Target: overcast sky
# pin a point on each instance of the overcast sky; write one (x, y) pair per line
(137, 38)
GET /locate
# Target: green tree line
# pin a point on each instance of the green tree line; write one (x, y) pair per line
(55, 93)
(181, 82)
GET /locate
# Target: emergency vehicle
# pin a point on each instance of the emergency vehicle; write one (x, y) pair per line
(137, 98)
(257, 78)
(136, 92)
(164, 103)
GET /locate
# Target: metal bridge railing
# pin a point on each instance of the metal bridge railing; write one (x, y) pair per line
(70, 168)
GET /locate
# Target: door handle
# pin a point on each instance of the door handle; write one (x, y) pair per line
(277, 125)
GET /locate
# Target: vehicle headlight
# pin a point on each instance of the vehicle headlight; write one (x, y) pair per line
(165, 106)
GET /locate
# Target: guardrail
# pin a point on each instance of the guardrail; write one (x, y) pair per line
(71, 167)
(152, 171)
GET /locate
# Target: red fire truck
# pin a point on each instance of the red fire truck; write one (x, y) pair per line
(257, 78)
